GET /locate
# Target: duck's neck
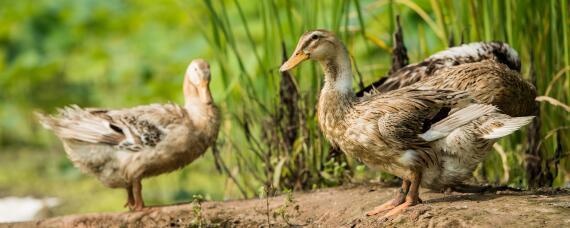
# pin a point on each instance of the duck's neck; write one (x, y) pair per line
(337, 90)
(337, 96)
(205, 117)
(199, 104)
(338, 74)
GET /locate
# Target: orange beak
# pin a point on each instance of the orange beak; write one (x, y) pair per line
(298, 57)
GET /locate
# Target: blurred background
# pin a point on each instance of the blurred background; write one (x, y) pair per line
(125, 53)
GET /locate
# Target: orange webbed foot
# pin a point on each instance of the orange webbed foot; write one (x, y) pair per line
(412, 198)
(398, 199)
(379, 209)
(399, 209)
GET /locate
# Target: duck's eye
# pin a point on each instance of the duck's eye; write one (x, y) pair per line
(314, 37)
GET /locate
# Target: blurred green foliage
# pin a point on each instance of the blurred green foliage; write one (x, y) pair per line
(126, 53)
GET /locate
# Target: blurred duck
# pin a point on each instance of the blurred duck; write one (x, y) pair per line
(431, 134)
(121, 147)
(466, 53)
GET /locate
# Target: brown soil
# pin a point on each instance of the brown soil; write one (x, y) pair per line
(344, 207)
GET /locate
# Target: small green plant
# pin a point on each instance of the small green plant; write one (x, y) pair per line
(288, 210)
(198, 220)
(264, 193)
(281, 211)
(334, 173)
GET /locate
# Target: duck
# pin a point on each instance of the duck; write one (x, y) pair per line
(120, 147)
(416, 132)
(466, 53)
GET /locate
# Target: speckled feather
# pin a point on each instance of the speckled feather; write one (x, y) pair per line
(379, 129)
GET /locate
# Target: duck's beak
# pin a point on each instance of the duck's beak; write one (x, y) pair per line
(298, 57)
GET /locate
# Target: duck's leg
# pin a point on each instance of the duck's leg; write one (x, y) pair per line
(137, 190)
(412, 198)
(130, 198)
(398, 199)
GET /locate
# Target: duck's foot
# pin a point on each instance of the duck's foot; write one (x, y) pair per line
(398, 199)
(412, 198)
(138, 207)
(399, 209)
(384, 207)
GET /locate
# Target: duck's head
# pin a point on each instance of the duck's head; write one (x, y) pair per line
(197, 81)
(319, 45)
(198, 73)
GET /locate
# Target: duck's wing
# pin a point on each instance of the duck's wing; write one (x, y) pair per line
(411, 119)
(132, 129)
(467, 53)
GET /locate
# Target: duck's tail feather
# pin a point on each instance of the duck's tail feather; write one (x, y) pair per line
(506, 126)
(78, 124)
(457, 119)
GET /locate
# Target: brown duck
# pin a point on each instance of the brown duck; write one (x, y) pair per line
(121, 147)
(431, 134)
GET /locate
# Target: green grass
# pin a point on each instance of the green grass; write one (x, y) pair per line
(427, 25)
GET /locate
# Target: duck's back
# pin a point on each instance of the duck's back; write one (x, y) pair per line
(454, 56)
(488, 82)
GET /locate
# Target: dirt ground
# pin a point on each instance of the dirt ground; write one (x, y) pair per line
(344, 207)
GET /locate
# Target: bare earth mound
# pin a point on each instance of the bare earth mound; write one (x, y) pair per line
(344, 207)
